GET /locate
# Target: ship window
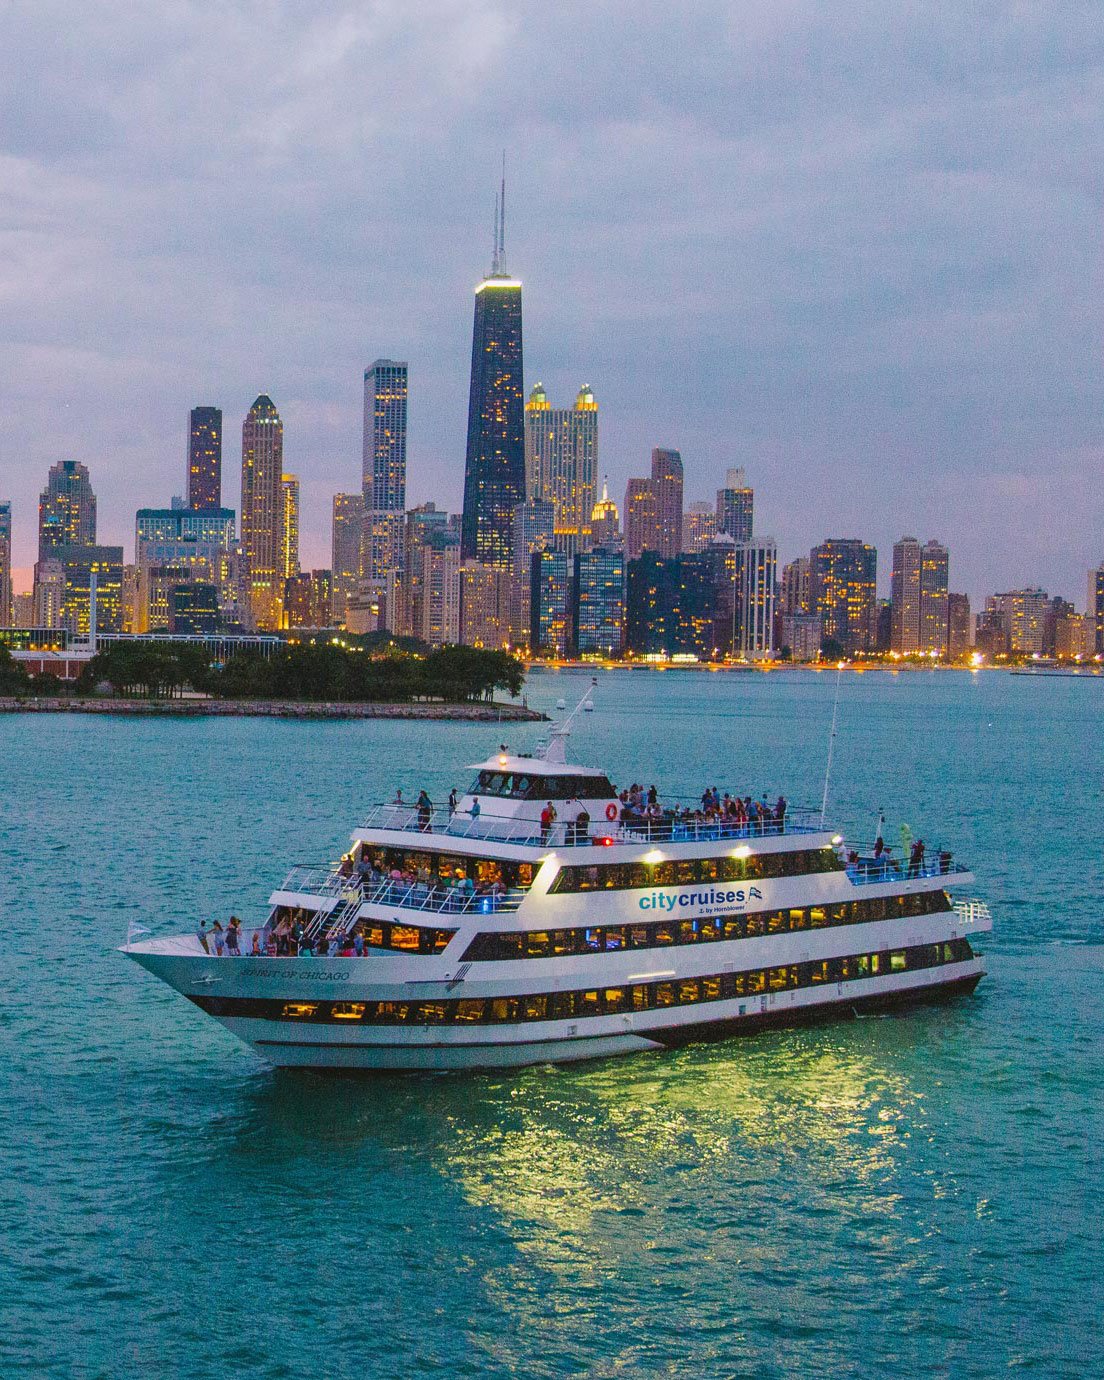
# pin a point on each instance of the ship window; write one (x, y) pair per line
(299, 1010)
(535, 1008)
(348, 1010)
(615, 999)
(818, 917)
(757, 982)
(469, 1010)
(818, 972)
(897, 962)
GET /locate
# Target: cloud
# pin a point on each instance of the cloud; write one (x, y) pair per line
(854, 248)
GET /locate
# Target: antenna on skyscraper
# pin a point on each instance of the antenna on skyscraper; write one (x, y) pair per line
(502, 220)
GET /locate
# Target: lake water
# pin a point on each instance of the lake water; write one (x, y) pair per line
(885, 1197)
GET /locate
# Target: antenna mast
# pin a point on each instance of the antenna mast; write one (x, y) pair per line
(831, 745)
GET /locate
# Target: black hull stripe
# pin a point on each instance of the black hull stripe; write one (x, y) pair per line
(700, 1032)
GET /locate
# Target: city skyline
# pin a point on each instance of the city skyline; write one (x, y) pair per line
(853, 266)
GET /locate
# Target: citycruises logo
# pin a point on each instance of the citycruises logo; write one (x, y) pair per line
(660, 900)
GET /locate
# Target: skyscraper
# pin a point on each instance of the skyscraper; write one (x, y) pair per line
(843, 578)
(348, 532)
(205, 457)
(667, 482)
(384, 468)
(960, 625)
(640, 518)
(262, 511)
(534, 527)
(598, 603)
(934, 572)
(289, 525)
(699, 527)
(919, 597)
(905, 596)
(736, 506)
(653, 508)
(549, 615)
(756, 562)
(5, 565)
(1094, 609)
(605, 523)
(561, 459)
(66, 509)
(494, 470)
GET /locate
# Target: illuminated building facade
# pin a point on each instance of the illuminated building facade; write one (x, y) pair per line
(1094, 609)
(934, 595)
(346, 550)
(308, 600)
(843, 574)
(205, 457)
(756, 566)
(905, 596)
(653, 508)
(289, 525)
(699, 527)
(198, 542)
(66, 509)
(485, 605)
(386, 388)
(605, 523)
(534, 528)
(494, 469)
(796, 587)
(561, 461)
(736, 507)
(82, 568)
(5, 565)
(671, 605)
(262, 512)
(598, 603)
(549, 614)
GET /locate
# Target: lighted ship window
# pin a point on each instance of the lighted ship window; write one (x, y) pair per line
(638, 876)
(603, 1001)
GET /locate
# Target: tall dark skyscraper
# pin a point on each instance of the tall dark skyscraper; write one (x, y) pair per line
(384, 469)
(66, 508)
(205, 457)
(494, 473)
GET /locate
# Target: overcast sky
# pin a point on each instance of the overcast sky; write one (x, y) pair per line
(853, 247)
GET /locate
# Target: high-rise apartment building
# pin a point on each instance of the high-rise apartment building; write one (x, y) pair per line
(960, 625)
(494, 469)
(5, 565)
(796, 593)
(561, 460)
(699, 526)
(205, 457)
(598, 603)
(934, 576)
(905, 597)
(386, 387)
(348, 537)
(653, 508)
(671, 606)
(736, 507)
(843, 587)
(289, 525)
(534, 529)
(262, 512)
(640, 518)
(667, 482)
(756, 566)
(918, 589)
(1094, 609)
(550, 608)
(66, 509)
(49, 593)
(485, 604)
(1022, 614)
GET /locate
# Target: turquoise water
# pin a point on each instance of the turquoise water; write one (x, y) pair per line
(886, 1197)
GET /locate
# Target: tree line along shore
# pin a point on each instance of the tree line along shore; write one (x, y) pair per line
(294, 681)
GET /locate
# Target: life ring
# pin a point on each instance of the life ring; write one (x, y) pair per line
(611, 811)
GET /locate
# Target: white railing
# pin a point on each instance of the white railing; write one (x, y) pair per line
(674, 828)
(974, 912)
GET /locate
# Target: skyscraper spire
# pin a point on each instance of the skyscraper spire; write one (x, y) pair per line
(498, 256)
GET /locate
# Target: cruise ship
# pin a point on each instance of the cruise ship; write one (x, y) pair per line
(548, 917)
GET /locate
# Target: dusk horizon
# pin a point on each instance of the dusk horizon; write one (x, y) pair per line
(856, 256)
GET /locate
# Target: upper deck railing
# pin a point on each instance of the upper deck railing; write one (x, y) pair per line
(868, 871)
(672, 827)
(420, 896)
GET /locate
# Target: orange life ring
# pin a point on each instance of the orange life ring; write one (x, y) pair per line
(611, 811)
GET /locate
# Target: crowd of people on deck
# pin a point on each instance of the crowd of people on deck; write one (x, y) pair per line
(641, 807)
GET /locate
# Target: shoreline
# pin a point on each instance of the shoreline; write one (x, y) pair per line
(490, 712)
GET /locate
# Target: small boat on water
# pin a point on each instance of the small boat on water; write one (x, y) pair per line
(551, 918)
